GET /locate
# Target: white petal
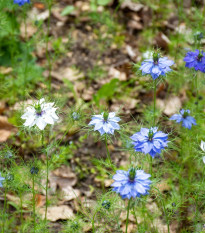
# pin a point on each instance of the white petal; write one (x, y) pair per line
(48, 119)
(30, 121)
(202, 145)
(41, 123)
(111, 115)
(41, 100)
(204, 159)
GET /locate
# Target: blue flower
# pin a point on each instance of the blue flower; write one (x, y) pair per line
(149, 141)
(132, 183)
(187, 121)
(156, 66)
(195, 60)
(105, 123)
(1, 179)
(21, 2)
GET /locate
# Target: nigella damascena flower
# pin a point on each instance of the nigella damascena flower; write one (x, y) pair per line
(132, 183)
(149, 141)
(1, 179)
(40, 114)
(105, 123)
(195, 60)
(203, 149)
(156, 66)
(21, 2)
(185, 118)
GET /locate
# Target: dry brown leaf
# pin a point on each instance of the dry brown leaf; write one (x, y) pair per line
(16, 199)
(163, 186)
(57, 212)
(39, 5)
(63, 178)
(114, 73)
(133, 6)
(28, 31)
(6, 129)
(162, 41)
(5, 70)
(170, 106)
(2, 106)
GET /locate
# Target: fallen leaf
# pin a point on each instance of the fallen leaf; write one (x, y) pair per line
(28, 31)
(63, 178)
(114, 73)
(6, 129)
(169, 106)
(55, 213)
(162, 41)
(39, 5)
(131, 5)
(5, 70)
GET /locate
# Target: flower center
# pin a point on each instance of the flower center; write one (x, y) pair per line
(150, 135)
(38, 110)
(132, 174)
(186, 114)
(155, 58)
(199, 57)
(105, 116)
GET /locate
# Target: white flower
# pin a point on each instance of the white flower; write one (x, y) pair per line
(202, 145)
(40, 114)
(203, 159)
(105, 123)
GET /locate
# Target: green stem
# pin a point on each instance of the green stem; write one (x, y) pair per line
(4, 211)
(108, 153)
(47, 169)
(34, 205)
(26, 59)
(166, 216)
(128, 211)
(150, 165)
(21, 208)
(155, 93)
(93, 221)
(197, 93)
(47, 40)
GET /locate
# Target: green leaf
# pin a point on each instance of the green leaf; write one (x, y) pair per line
(67, 10)
(103, 2)
(106, 91)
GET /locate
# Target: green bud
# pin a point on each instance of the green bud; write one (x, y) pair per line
(105, 115)
(132, 174)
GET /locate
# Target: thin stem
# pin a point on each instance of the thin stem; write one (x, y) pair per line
(21, 208)
(34, 205)
(197, 93)
(47, 168)
(155, 93)
(128, 211)
(93, 221)
(26, 59)
(150, 165)
(4, 211)
(47, 41)
(108, 153)
(165, 212)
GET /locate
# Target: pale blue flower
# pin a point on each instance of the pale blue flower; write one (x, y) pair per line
(1, 179)
(149, 141)
(132, 183)
(156, 66)
(105, 123)
(185, 118)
